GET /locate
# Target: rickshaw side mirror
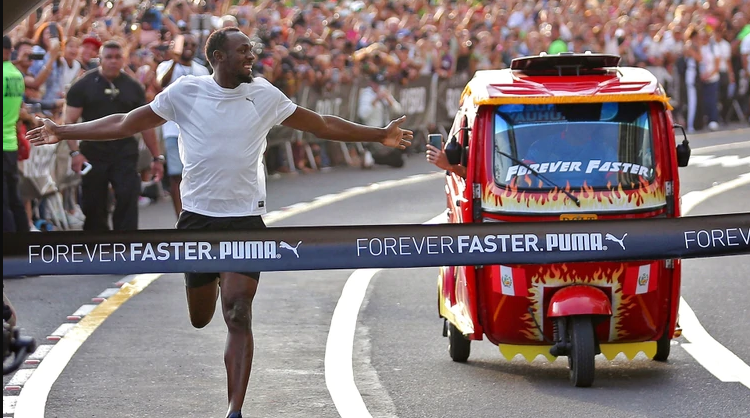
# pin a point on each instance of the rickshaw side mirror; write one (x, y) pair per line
(453, 151)
(683, 149)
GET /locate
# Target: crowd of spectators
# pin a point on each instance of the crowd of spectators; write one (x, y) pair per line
(699, 49)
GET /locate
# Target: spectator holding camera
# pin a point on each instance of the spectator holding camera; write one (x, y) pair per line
(182, 64)
(34, 83)
(376, 104)
(101, 92)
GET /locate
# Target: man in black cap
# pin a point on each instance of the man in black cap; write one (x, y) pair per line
(14, 214)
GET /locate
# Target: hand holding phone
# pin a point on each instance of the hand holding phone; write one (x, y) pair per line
(179, 45)
(54, 44)
(53, 31)
(86, 168)
(436, 140)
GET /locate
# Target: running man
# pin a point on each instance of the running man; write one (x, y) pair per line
(224, 120)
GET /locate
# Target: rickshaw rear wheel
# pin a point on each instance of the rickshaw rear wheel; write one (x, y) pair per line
(459, 346)
(582, 351)
(663, 345)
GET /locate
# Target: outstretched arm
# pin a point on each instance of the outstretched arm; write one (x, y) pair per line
(121, 125)
(338, 129)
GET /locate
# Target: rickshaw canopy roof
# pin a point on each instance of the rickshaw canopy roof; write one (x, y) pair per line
(564, 78)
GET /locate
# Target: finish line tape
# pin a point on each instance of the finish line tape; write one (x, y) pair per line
(374, 246)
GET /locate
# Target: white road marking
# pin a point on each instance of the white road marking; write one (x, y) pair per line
(722, 147)
(62, 330)
(107, 293)
(9, 404)
(81, 312)
(299, 208)
(339, 372)
(708, 352)
(692, 199)
(20, 377)
(713, 356)
(713, 160)
(33, 398)
(41, 351)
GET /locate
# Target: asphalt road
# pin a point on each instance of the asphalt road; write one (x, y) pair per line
(145, 360)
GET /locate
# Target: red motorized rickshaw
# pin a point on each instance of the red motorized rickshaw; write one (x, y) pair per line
(564, 137)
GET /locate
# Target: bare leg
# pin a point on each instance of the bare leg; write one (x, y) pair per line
(201, 303)
(237, 293)
(174, 192)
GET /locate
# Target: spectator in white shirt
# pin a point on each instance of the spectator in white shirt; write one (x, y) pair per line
(723, 51)
(183, 51)
(709, 73)
(745, 51)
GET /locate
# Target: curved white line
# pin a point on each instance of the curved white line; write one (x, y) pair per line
(721, 147)
(324, 200)
(339, 372)
(709, 353)
(690, 200)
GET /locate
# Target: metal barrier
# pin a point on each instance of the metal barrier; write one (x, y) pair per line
(376, 246)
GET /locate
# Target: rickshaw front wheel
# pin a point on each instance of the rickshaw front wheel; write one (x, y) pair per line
(582, 351)
(459, 346)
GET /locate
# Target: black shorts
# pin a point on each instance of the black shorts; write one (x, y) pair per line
(190, 220)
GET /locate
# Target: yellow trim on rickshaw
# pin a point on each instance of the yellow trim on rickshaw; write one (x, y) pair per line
(609, 350)
(605, 98)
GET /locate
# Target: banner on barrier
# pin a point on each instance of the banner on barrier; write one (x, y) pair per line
(376, 246)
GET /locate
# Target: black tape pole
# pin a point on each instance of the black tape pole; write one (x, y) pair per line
(376, 246)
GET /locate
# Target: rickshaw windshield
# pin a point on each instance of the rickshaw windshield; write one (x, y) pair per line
(597, 145)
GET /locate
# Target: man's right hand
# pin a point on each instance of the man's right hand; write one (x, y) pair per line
(46, 134)
(76, 163)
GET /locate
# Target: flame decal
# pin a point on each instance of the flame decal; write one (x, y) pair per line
(646, 195)
(559, 275)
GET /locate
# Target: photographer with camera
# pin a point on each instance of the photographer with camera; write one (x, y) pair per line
(48, 41)
(35, 83)
(376, 104)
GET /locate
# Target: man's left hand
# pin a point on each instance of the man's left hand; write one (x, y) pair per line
(157, 170)
(395, 136)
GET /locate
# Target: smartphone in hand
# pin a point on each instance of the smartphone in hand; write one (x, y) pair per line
(179, 45)
(86, 168)
(53, 31)
(436, 140)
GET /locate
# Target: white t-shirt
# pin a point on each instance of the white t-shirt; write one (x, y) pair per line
(708, 63)
(745, 49)
(222, 140)
(170, 128)
(69, 73)
(723, 50)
